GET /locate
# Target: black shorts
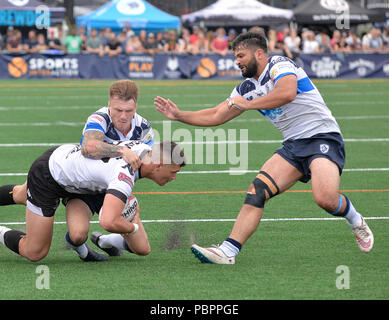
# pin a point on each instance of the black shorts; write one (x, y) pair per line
(93, 201)
(300, 152)
(43, 192)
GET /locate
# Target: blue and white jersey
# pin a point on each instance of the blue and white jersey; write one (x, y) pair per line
(305, 116)
(100, 120)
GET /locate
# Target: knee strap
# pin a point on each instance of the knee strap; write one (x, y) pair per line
(256, 195)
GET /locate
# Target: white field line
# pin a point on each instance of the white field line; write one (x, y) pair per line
(215, 220)
(15, 174)
(45, 144)
(74, 124)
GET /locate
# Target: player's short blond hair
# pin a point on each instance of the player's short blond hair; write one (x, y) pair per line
(124, 90)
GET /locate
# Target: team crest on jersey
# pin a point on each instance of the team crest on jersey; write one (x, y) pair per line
(123, 177)
(324, 148)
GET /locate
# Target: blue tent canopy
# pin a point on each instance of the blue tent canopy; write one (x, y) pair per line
(139, 13)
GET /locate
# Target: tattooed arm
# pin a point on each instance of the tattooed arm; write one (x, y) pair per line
(94, 147)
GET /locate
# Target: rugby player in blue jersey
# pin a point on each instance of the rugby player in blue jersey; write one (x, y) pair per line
(117, 122)
(312, 149)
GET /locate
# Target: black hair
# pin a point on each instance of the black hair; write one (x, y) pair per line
(250, 40)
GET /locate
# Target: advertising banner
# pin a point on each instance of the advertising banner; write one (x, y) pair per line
(165, 66)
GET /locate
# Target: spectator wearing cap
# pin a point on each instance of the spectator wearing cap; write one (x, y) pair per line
(151, 46)
(219, 45)
(230, 38)
(113, 47)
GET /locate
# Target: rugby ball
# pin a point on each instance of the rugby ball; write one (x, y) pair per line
(129, 209)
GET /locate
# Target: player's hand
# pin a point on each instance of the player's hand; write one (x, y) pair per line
(131, 158)
(167, 107)
(241, 102)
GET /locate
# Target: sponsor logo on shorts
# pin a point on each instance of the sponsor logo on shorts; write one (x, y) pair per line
(324, 148)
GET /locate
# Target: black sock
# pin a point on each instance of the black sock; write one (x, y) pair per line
(12, 238)
(6, 195)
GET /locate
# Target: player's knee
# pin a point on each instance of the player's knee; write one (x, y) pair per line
(262, 189)
(328, 203)
(78, 237)
(36, 255)
(20, 194)
(143, 251)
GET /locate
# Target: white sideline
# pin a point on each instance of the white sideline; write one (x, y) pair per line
(215, 220)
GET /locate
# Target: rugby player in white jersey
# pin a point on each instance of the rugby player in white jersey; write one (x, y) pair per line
(312, 149)
(117, 122)
(63, 172)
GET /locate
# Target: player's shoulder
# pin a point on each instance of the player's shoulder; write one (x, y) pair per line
(101, 114)
(277, 60)
(141, 122)
(245, 86)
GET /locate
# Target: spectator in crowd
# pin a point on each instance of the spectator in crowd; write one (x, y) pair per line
(310, 44)
(230, 38)
(293, 41)
(184, 41)
(129, 32)
(385, 38)
(194, 36)
(82, 34)
(210, 35)
(143, 37)
(372, 42)
(113, 47)
(14, 41)
(220, 43)
(134, 45)
(42, 45)
(200, 46)
(122, 38)
(53, 42)
(171, 45)
(151, 46)
(159, 38)
(31, 43)
(353, 42)
(73, 42)
(104, 36)
(336, 35)
(2, 42)
(93, 43)
(325, 43)
(273, 45)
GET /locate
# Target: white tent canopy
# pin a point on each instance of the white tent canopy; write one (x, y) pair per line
(238, 13)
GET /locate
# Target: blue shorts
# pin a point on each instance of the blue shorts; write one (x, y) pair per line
(300, 152)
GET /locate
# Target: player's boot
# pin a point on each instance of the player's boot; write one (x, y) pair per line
(112, 251)
(94, 255)
(364, 237)
(211, 255)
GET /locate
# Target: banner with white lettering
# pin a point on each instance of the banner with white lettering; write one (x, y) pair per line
(165, 66)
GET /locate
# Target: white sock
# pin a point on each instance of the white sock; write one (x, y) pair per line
(229, 249)
(2, 231)
(82, 250)
(112, 240)
(353, 218)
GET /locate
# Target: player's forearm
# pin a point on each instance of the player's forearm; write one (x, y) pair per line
(201, 118)
(94, 147)
(98, 149)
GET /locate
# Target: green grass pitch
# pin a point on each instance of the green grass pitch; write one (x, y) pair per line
(284, 259)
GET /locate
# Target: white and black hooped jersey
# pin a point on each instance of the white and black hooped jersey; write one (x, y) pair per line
(305, 116)
(78, 174)
(101, 120)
